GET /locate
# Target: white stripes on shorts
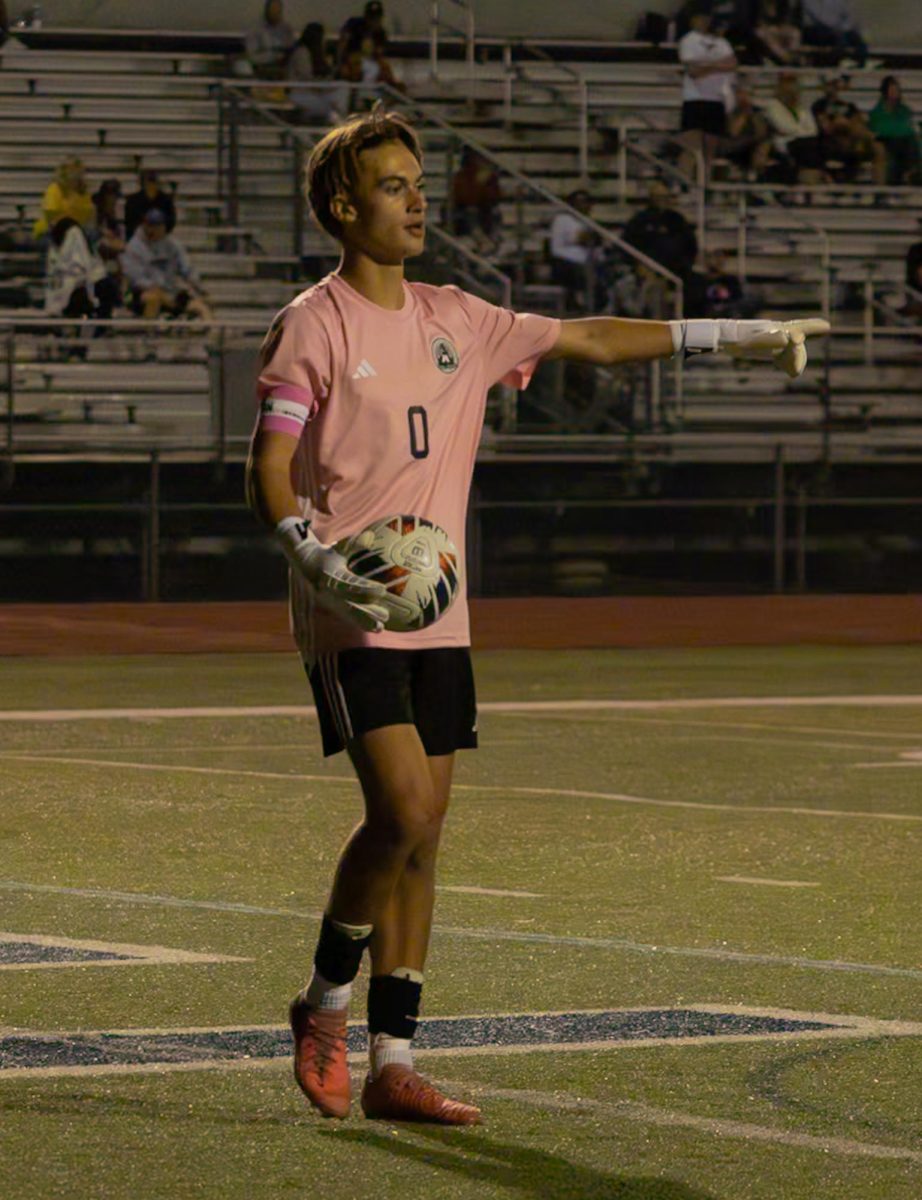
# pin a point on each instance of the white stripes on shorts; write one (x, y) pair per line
(328, 666)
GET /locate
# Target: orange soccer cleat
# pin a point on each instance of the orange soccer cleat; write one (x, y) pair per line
(320, 1057)
(399, 1094)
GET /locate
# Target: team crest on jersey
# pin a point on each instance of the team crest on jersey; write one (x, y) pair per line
(445, 355)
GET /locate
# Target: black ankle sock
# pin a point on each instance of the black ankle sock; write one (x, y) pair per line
(393, 1005)
(338, 956)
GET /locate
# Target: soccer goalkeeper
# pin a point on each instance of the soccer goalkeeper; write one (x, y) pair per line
(372, 393)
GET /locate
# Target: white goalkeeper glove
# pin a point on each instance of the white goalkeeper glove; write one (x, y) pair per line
(779, 342)
(337, 588)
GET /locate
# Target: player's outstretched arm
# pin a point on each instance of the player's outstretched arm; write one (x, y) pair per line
(611, 340)
(272, 498)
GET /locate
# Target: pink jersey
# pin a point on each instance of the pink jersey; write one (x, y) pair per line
(388, 408)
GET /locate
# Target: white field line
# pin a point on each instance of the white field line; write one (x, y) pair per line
(907, 758)
(134, 955)
(719, 954)
(720, 1127)
(486, 891)
(756, 880)
(501, 706)
(570, 793)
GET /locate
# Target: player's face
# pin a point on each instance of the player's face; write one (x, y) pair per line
(389, 205)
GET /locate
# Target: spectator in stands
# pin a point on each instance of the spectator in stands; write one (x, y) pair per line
(844, 134)
(829, 23)
(366, 64)
(76, 281)
(662, 233)
(108, 234)
(310, 63)
(159, 273)
(149, 195)
(796, 133)
(476, 196)
(574, 253)
(748, 143)
(778, 31)
(707, 84)
(639, 292)
(354, 29)
(723, 294)
(268, 45)
(66, 196)
(893, 124)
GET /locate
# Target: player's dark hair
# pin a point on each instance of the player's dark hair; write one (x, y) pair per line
(333, 164)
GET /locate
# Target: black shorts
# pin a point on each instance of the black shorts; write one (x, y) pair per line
(709, 116)
(364, 689)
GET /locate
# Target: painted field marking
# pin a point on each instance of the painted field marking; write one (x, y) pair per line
(511, 790)
(485, 891)
(907, 758)
(723, 1127)
(30, 1053)
(720, 954)
(96, 953)
(500, 706)
(755, 879)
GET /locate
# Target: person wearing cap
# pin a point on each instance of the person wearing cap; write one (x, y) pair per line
(709, 73)
(149, 195)
(159, 273)
(661, 232)
(844, 133)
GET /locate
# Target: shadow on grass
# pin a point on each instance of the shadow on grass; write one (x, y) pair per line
(519, 1168)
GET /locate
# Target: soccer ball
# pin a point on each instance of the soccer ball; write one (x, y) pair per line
(416, 561)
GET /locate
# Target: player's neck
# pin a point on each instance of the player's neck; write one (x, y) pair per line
(381, 283)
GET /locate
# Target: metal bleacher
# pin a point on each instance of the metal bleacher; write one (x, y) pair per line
(156, 388)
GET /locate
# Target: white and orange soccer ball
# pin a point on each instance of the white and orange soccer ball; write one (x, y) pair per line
(416, 561)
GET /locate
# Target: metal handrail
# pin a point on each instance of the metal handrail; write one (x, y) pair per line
(469, 34)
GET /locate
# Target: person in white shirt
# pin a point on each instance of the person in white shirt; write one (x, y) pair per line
(795, 131)
(573, 249)
(707, 83)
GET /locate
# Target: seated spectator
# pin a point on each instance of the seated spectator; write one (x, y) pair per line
(844, 134)
(574, 252)
(662, 233)
(158, 272)
(707, 83)
(365, 63)
(893, 124)
(309, 62)
(354, 29)
(829, 23)
(108, 233)
(778, 30)
(640, 292)
(748, 143)
(795, 132)
(722, 294)
(66, 196)
(76, 281)
(475, 198)
(149, 195)
(267, 45)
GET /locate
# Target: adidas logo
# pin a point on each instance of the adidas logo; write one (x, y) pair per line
(365, 370)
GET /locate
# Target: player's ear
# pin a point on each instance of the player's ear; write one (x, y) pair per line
(342, 209)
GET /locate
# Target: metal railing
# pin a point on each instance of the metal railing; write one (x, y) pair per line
(437, 24)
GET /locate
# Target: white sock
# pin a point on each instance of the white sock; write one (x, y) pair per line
(320, 993)
(384, 1050)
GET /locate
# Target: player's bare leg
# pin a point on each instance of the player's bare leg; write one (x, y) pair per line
(393, 1089)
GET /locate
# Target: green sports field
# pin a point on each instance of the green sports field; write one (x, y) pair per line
(698, 871)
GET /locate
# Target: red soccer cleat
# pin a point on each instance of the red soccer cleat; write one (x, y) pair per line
(399, 1094)
(320, 1057)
